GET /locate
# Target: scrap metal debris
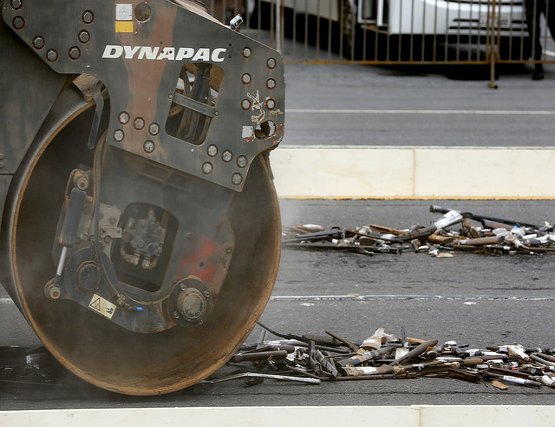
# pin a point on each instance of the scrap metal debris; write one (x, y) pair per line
(474, 233)
(330, 357)
(30, 367)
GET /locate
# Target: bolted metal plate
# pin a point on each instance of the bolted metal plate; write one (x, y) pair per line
(138, 51)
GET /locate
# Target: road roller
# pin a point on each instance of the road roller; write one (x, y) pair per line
(140, 233)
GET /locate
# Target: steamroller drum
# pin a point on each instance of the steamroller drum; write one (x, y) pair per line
(91, 346)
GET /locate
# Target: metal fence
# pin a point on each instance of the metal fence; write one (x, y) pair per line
(400, 31)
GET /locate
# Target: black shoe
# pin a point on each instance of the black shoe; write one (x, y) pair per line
(538, 72)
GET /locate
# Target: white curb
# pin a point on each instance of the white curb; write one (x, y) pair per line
(321, 416)
(414, 172)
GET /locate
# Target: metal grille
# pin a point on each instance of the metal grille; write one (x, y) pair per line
(393, 31)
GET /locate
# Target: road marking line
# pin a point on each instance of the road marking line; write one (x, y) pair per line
(428, 112)
(5, 301)
(304, 298)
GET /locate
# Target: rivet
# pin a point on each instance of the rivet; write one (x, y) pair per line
(247, 52)
(212, 150)
(242, 161)
(270, 83)
(148, 146)
(84, 36)
(52, 55)
(119, 135)
(270, 104)
(139, 123)
(227, 156)
(18, 22)
(38, 42)
(207, 168)
(88, 17)
(245, 104)
(271, 63)
(154, 129)
(246, 78)
(123, 117)
(16, 4)
(237, 178)
(74, 52)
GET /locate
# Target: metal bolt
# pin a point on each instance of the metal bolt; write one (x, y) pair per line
(88, 17)
(16, 4)
(119, 135)
(247, 52)
(270, 83)
(139, 123)
(84, 36)
(212, 150)
(270, 104)
(228, 251)
(54, 292)
(246, 78)
(242, 161)
(227, 156)
(245, 104)
(148, 146)
(271, 63)
(18, 22)
(154, 129)
(38, 42)
(182, 286)
(74, 52)
(175, 315)
(123, 117)
(51, 55)
(207, 168)
(206, 294)
(237, 178)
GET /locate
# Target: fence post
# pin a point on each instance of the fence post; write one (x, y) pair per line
(492, 42)
(280, 34)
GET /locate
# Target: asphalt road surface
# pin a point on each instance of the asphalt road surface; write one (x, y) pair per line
(473, 299)
(346, 104)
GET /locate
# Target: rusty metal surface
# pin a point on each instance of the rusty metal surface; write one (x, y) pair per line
(129, 247)
(140, 64)
(111, 357)
(30, 97)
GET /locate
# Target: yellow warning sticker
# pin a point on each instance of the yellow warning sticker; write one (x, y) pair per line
(102, 306)
(124, 27)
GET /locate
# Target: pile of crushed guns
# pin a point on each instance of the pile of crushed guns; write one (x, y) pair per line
(478, 233)
(316, 358)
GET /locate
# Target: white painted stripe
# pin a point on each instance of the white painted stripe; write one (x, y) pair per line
(278, 416)
(6, 301)
(297, 298)
(549, 52)
(414, 173)
(428, 112)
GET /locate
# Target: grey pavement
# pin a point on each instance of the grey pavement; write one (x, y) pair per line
(388, 91)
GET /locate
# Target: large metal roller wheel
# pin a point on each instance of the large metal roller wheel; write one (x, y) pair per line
(92, 347)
